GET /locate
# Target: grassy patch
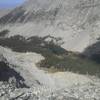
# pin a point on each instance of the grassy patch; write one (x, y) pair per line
(72, 63)
(56, 58)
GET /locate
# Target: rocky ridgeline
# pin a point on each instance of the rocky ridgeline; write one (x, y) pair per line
(8, 91)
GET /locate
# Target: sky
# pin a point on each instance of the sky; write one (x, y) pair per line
(10, 3)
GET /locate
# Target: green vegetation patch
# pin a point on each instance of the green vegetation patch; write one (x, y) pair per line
(56, 57)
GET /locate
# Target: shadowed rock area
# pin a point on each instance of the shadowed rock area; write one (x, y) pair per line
(8, 74)
(93, 51)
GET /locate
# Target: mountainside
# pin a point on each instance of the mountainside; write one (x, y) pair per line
(50, 50)
(72, 20)
(73, 12)
(4, 12)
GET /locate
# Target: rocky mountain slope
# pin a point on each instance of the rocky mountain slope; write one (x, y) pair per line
(72, 20)
(37, 41)
(76, 92)
(41, 85)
